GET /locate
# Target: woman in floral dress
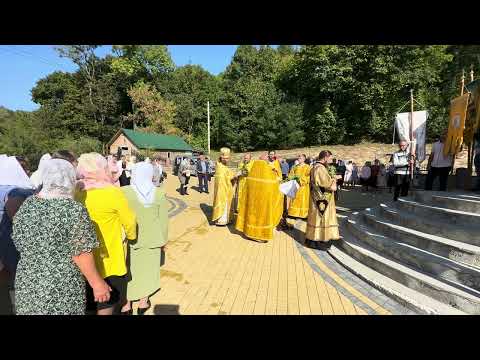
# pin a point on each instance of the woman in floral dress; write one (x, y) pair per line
(55, 237)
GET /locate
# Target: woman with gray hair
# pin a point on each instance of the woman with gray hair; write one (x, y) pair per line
(55, 238)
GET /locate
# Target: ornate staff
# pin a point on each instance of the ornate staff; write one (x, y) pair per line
(412, 140)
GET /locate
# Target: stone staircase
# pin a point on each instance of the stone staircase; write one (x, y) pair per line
(423, 251)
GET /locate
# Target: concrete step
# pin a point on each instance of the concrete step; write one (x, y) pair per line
(453, 201)
(451, 249)
(456, 274)
(468, 234)
(411, 278)
(447, 216)
(406, 296)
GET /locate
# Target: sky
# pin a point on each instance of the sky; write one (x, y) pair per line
(21, 66)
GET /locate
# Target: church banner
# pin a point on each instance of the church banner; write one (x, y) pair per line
(402, 126)
(458, 113)
(472, 120)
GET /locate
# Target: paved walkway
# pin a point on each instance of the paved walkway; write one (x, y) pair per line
(214, 270)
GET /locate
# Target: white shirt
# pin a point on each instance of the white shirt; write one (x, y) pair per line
(400, 161)
(440, 161)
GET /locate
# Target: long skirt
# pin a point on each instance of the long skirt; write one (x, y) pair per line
(144, 274)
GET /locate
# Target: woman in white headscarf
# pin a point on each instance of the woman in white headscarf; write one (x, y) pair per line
(55, 238)
(36, 177)
(15, 187)
(144, 254)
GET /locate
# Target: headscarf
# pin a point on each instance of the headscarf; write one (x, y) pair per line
(36, 177)
(12, 173)
(59, 179)
(93, 168)
(142, 183)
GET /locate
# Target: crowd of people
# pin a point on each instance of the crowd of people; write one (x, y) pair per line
(204, 168)
(253, 199)
(81, 235)
(87, 234)
(259, 206)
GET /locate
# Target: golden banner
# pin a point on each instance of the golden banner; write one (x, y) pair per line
(458, 113)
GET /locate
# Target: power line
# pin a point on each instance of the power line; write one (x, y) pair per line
(40, 57)
(31, 56)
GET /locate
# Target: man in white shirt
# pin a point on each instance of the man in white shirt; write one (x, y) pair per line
(438, 165)
(402, 160)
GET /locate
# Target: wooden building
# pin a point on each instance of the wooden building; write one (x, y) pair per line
(131, 142)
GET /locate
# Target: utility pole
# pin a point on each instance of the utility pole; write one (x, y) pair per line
(208, 125)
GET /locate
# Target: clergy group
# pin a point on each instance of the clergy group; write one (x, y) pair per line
(250, 197)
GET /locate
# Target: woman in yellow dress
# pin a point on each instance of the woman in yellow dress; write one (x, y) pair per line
(299, 205)
(108, 208)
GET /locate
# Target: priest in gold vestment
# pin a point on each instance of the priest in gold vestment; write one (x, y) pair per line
(223, 190)
(322, 224)
(275, 164)
(299, 205)
(244, 168)
(261, 205)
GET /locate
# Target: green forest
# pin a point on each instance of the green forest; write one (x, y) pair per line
(268, 97)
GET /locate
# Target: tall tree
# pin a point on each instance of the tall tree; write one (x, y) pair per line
(86, 60)
(152, 111)
(149, 61)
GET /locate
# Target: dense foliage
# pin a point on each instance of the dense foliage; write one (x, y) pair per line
(267, 97)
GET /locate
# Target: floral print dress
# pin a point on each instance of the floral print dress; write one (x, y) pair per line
(47, 233)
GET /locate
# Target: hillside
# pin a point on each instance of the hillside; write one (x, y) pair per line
(359, 153)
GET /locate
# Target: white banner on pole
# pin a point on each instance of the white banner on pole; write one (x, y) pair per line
(402, 126)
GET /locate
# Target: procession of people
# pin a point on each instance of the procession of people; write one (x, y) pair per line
(255, 193)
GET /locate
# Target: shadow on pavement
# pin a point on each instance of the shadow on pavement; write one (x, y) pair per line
(166, 309)
(207, 211)
(196, 188)
(298, 235)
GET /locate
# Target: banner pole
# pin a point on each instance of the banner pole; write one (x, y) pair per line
(412, 151)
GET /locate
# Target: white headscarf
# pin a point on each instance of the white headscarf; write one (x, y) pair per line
(12, 173)
(142, 183)
(36, 177)
(59, 178)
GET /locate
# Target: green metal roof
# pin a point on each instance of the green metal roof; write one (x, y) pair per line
(154, 141)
